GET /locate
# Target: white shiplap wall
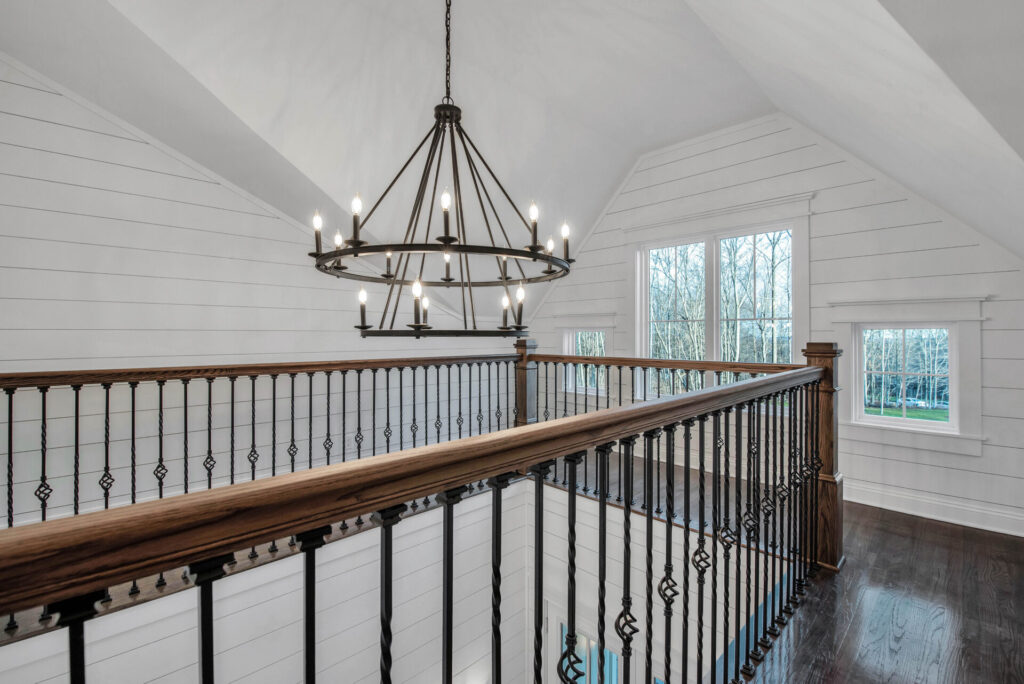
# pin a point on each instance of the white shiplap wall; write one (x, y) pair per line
(116, 252)
(875, 252)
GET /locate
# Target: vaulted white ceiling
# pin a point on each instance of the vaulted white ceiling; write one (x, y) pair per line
(305, 103)
(560, 96)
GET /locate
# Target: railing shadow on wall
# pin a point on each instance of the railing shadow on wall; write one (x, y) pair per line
(775, 431)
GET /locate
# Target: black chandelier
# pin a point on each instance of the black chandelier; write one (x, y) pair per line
(438, 244)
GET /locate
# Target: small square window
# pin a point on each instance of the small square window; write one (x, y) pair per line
(905, 377)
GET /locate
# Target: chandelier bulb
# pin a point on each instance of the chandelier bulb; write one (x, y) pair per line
(565, 230)
(387, 254)
(337, 239)
(362, 295)
(357, 205)
(426, 302)
(534, 212)
(504, 301)
(318, 221)
(551, 245)
(446, 200)
(447, 257)
(417, 289)
(520, 294)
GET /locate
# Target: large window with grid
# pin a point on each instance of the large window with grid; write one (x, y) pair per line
(726, 298)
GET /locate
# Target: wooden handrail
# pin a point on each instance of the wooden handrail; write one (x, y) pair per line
(58, 559)
(94, 377)
(671, 364)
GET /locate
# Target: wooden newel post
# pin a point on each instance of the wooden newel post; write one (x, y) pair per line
(830, 479)
(526, 382)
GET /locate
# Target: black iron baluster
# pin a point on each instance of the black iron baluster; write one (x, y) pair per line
(649, 438)
(728, 539)
(547, 386)
(816, 466)
(253, 456)
(738, 536)
(77, 455)
(184, 432)
(208, 462)
(373, 411)
(133, 454)
(539, 472)
(490, 395)
(508, 394)
(479, 399)
(757, 654)
(701, 560)
(401, 408)
(386, 520)
(448, 499)
(107, 480)
(657, 478)
(448, 385)
(44, 489)
(359, 414)
(459, 420)
(344, 416)
(716, 465)
(786, 476)
(601, 453)
(328, 443)
(575, 387)
(569, 663)
(160, 471)
(497, 484)
(625, 624)
(387, 411)
(770, 505)
(308, 543)
(667, 587)
(309, 424)
(426, 405)
(687, 520)
(273, 424)
(9, 391)
(292, 449)
(205, 573)
(773, 415)
(437, 402)
(750, 526)
(231, 436)
(413, 428)
(73, 614)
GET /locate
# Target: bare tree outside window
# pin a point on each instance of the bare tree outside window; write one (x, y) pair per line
(677, 308)
(906, 373)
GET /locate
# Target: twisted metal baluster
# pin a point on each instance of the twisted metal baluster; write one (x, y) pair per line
(344, 415)
(479, 399)
(386, 520)
(449, 404)
(253, 456)
(601, 452)
(727, 538)
(373, 412)
(701, 560)
(569, 664)
(9, 391)
(459, 420)
(77, 456)
(667, 587)
(328, 443)
(437, 402)
(184, 432)
(292, 449)
(738, 434)
(232, 426)
(687, 520)
(649, 438)
(387, 411)
(106, 480)
(359, 414)
(44, 490)
(716, 464)
(208, 462)
(273, 425)
(539, 472)
(776, 618)
(497, 484)
(625, 624)
(413, 428)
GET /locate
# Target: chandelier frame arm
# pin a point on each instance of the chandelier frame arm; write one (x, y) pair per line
(460, 224)
(493, 176)
(483, 211)
(494, 210)
(433, 197)
(397, 176)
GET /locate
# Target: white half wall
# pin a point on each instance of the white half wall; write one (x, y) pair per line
(876, 252)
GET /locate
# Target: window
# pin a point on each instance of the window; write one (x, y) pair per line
(586, 343)
(905, 375)
(748, 280)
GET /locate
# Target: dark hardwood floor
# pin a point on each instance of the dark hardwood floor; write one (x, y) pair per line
(917, 601)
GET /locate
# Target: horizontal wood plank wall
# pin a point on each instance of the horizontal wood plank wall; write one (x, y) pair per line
(258, 614)
(869, 239)
(118, 252)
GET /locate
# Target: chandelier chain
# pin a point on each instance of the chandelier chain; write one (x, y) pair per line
(448, 51)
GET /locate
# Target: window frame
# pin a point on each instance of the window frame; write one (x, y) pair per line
(569, 349)
(799, 278)
(860, 417)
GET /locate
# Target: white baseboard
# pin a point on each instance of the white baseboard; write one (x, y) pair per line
(958, 512)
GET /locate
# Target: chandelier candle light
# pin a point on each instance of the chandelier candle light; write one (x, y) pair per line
(477, 218)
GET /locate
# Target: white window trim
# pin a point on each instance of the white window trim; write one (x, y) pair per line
(915, 424)
(800, 278)
(569, 348)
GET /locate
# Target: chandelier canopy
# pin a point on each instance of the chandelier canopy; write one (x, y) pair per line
(460, 246)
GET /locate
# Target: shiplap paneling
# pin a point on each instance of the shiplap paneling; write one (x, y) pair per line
(869, 240)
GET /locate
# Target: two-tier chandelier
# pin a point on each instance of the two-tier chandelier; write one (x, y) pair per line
(448, 250)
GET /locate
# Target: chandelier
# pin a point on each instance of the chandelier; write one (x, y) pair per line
(458, 247)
